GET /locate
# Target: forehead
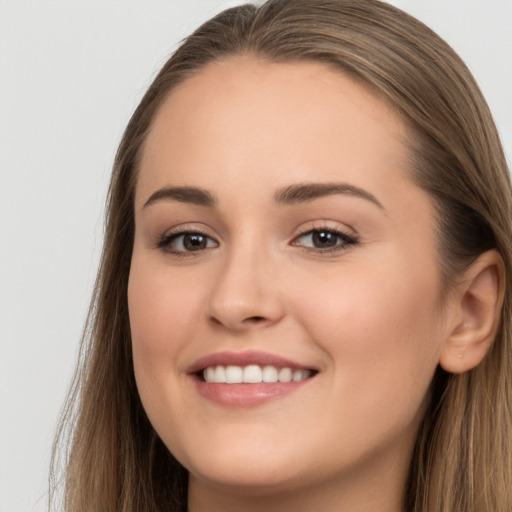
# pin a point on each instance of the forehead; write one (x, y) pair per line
(244, 115)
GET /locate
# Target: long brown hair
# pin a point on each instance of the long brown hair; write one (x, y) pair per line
(463, 456)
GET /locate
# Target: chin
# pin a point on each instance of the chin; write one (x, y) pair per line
(250, 470)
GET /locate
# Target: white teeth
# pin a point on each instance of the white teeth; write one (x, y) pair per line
(209, 374)
(252, 374)
(300, 375)
(270, 374)
(285, 375)
(233, 375)
(220, 374)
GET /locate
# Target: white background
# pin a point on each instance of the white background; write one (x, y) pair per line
(71, 73)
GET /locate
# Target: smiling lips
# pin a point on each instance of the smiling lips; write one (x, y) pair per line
(247, 379)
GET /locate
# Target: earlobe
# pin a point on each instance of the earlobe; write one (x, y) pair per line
(479, 297)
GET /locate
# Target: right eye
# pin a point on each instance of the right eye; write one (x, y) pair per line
(186, 242)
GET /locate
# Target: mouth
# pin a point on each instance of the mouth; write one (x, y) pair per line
(249, 378)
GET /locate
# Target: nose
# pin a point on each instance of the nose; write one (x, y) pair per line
(246, 294)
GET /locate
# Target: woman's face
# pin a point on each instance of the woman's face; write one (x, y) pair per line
(278, 236)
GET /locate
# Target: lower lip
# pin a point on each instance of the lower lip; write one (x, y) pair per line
(246, 395)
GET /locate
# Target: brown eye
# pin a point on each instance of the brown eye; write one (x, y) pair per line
(180, 243)
(194, 242)
(324, 240)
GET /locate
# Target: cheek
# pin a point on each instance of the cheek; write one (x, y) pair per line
(380, 329)
(160, 303)
(371, 306)
(163, 313)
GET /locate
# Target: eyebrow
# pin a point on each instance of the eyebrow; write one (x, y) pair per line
(293, 194)
(304, 192)
(193, 195)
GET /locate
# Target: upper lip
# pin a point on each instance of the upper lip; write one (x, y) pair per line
(246, 358)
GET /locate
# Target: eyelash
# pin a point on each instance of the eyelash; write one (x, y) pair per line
(344, 241)
(167, 239)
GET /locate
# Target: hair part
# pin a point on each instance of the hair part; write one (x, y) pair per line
(463, 457)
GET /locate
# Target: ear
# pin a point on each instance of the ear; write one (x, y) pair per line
(478, 300)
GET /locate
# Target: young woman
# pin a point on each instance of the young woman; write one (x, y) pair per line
(304, 296)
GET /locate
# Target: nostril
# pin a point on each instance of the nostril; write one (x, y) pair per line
(255, 319)
(247, 322)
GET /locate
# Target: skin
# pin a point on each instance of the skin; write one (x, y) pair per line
(367, 316)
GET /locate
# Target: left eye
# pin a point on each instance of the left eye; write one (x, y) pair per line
(186, 242)
(324, 239)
